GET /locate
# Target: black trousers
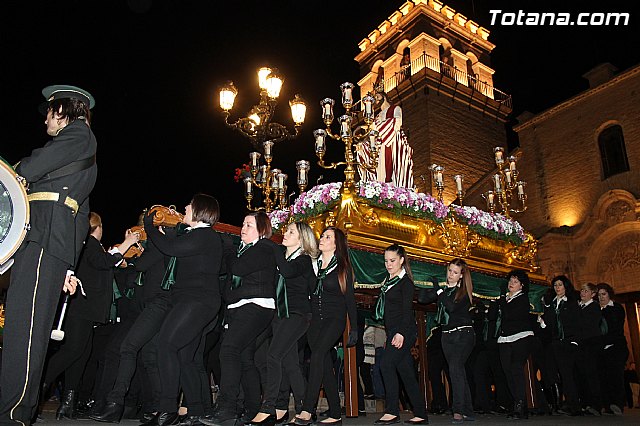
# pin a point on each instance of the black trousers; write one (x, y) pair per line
(399, 362)
(282, 359)
(142, 331)
(237, 351)
(322, 337)
(513, 356)
(71, 359)
(178, 342)
(34, 291)
(589, 382)
(487, 370)
(566, 356)
(612, 376)
(457, 347)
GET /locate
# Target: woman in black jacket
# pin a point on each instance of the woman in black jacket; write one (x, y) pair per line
(562, 314)
(395, 307)
(195, 301)
(296, 281)
(590, 346)
(458, 337)
(515, 338)
(95, 270)
(331, 302)
(250, 298)
(614, 352)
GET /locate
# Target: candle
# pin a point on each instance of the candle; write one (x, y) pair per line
(490, 199)
(247, 186)
(281, 179)
(521, 185)
(267, 145)
(347, 98)
(319, 135)
(274, 178)
(439, 177)
(512, 163)
(496, 183)
(327, 109)
(345, 126)
(507, 176)
(263, 174)
(458, 179)
(499, 153)
(254, 156)
(303, 167)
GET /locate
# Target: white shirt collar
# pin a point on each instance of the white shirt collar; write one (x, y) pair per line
(587, 303)
(510, 298)
(198, 225)
(608, 304)
(402, 273)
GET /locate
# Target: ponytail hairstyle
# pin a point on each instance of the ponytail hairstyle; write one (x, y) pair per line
(466, 285)
(342, 256)
(399, 250)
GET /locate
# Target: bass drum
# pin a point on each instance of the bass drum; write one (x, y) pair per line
(14, 214)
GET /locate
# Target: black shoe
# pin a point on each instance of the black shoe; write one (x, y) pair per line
(112, 413)
(283, 419)
(362, 413)
(393, 420)
(166, 419)
(145, 418)
(300, 422)
(334, 423)
(324, 413)
(188, 420)
(67, 407)
(270, 420)
(424, 421)
(219, 418)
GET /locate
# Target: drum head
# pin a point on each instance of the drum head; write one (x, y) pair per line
(14, 212)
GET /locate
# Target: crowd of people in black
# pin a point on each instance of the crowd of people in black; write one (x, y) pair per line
(158, 335)
(154, 334)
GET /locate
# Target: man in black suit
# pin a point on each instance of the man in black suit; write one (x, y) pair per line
(60, 176)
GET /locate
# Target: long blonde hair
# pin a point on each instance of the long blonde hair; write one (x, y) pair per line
(307, 239)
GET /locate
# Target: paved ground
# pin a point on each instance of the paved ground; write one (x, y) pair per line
(631, 417)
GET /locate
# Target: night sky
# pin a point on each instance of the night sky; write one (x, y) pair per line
(155, 67)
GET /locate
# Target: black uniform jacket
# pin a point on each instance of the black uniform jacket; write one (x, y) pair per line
(53, 225)
(398, 309)
(299, 279)
(198, 264)
(95, 270)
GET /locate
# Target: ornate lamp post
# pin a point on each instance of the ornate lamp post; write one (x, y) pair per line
(350, 133)
(263, 134)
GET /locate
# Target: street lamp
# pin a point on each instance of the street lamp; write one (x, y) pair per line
(263, 133)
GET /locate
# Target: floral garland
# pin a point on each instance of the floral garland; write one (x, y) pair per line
(403, 201)
(313, 202)
(492, 225)
(400, 200)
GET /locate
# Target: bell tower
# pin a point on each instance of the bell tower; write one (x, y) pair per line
(434, 63)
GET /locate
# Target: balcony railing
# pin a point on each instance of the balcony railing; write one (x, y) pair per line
(472, 81)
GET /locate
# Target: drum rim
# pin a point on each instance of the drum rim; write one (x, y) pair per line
(21, 213)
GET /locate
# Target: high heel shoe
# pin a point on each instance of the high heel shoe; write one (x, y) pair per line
(283, 419)
(270, 420)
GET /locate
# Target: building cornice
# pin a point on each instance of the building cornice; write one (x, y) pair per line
(545, 115)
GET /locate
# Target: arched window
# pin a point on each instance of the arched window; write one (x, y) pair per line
(612, 151)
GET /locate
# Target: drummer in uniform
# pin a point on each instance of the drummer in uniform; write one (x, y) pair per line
(60, 176)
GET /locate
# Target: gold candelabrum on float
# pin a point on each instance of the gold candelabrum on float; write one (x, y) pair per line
(507, 191)
(263, 134)
(355, 128)
(506, 186)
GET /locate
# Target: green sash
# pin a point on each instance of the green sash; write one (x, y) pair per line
(236, 281)
(386, 286)
(169, 278)
(442, 316)
(322, 274)
(282, 301)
